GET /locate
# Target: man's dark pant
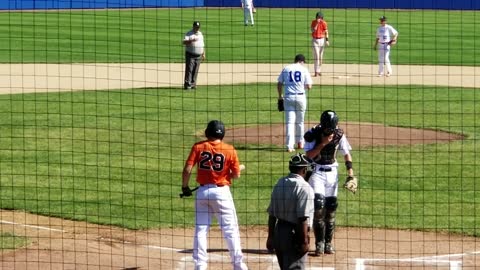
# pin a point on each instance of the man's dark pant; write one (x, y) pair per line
(286, 247)
(192, 64)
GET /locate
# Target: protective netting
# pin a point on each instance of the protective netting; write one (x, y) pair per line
(97, 120)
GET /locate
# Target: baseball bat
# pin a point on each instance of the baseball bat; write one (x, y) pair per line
(181, 194)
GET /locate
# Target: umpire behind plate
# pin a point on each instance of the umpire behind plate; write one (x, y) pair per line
(290, 215)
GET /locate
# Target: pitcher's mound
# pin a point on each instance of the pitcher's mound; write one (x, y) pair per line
(358, 134)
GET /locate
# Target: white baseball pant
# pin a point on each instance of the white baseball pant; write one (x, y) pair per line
(318, 46)
(384, 59)
(325, 183)
(248, 14)
(295, 107)
(216, 201)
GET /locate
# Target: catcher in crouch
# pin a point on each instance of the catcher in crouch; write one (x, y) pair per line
(321, 145)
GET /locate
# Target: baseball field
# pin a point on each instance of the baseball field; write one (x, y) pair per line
(95, 129)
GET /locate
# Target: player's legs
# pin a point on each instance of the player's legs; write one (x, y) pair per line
(203, 217)
(301, 106)
(317, 47)
(189, 66)
(290, 113)
(317, 182)
(330, 210)
(331, 191)
(246, 15)
(196, 67)
(250, 10)
(227, 219)
(387, 61)
(381, 59)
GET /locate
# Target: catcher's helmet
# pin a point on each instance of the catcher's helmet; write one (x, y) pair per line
(329, 121)
(215, 129)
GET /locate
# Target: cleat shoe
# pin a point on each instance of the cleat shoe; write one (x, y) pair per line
(329, 248)
(319, 249)
(290, 150)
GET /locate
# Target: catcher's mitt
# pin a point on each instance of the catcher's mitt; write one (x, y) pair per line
(351, 184)
(280, 105)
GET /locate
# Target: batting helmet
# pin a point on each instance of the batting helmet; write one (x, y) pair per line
(328, 121)
(215, 129)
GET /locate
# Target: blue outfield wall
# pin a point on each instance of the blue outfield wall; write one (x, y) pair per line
(374, 4)
(77, 4)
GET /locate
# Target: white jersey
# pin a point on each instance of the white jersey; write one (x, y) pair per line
(247, 3)
(386, 33)
(197, 46)
(294, 77)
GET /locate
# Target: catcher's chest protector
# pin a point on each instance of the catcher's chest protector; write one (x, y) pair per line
(327, 155)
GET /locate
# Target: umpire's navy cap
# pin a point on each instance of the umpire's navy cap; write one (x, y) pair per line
(299, 58)
(196, 24)
(383, 18)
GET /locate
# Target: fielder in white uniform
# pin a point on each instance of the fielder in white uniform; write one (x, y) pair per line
(385, 37)
(248, 11)
(296, 79)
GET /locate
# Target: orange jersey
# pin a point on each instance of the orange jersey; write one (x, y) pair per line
(215, 162)
(319, 32)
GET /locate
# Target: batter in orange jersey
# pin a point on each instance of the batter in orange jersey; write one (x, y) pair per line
(217, 164)
(319, 29)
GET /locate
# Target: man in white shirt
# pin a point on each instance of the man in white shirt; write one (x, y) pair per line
(296, 79)
(385, 37)
(194, 55)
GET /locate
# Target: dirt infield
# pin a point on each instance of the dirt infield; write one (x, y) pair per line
(65, 244)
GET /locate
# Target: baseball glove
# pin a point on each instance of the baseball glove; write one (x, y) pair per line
(280, 105)
(351, 184)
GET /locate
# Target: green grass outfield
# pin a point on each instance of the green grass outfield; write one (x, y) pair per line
(115, 157)
(426, 37)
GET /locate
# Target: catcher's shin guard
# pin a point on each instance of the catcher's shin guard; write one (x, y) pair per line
(331, 208)
(319, 224)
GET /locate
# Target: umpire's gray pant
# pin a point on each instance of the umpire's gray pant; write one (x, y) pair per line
(286, 247)
(192, 64)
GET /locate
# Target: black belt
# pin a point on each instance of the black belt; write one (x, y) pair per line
(295, 94)
(324, 169)
(193, 54)
(284, 222)
(218, 185)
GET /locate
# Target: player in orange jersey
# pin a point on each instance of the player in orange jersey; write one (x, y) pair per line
(319, 29)
(217, 164)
